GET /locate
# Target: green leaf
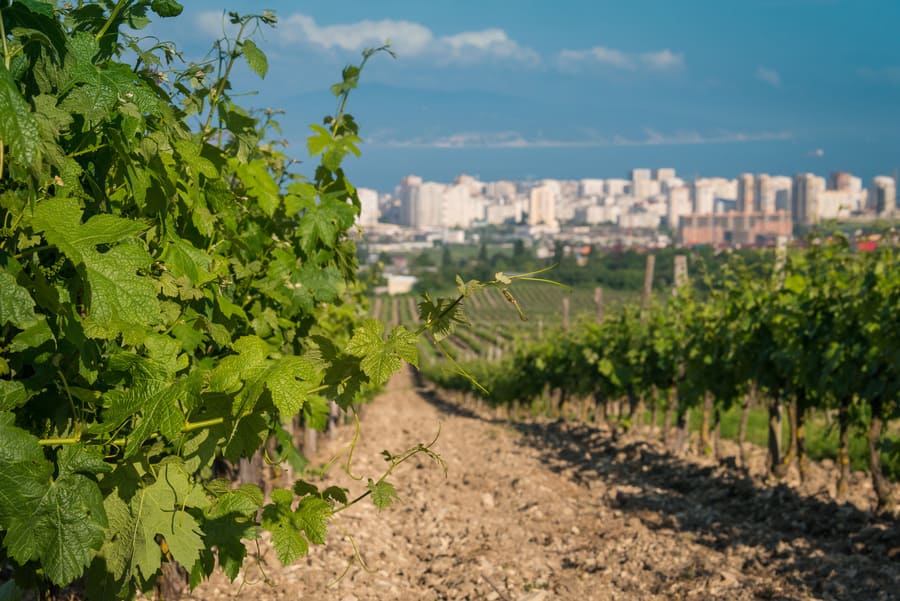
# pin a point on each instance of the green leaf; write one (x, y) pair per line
(278, 519)
(312, 518)
(255, 58)
(290, 381)
(159, 509)
(442, 316)
(315, 412)
(319, 225)
(184, 259)
(38, 6)
(259, 184)
(381, 358)
(12, 395)
(18, 127)
(795, 283)
(16, 304)
(59, 522)
(166, 8)
(32, 336)
(316, 144)
(230, 520)
(118, 297)
(383, 493)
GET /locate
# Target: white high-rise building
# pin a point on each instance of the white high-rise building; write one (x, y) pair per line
(368, 209)
(883, 195)
(639, 175)
(746, 192)
(543, 204)
(805, 198)
(764, 199)
(617, 187)
(663, 174)
(592, 187)
(678, 204)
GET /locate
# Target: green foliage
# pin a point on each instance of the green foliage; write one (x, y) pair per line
(822, 329)
(383, 493)
(171, 293)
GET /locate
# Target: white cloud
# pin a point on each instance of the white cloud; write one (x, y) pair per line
(769, 76)
(513, 139)
(407, 38)
(890, 75)
(597, 54)
(662, 60)
(494, 42)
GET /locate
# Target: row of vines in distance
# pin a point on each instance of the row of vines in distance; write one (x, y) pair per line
(817, 331)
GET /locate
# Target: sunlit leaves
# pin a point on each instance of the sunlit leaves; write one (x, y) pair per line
(256, 59)
(170, 293)
(18, 128)
(382, 357)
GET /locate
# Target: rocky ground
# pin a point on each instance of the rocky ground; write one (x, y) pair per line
(546, 510)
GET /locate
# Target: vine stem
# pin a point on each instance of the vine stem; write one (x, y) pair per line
(120, 5)
(6, 63)
(216, 94)
(6, 56)
(397, 460)
(188, 427)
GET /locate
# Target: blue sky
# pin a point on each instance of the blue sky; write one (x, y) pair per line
(571, 89)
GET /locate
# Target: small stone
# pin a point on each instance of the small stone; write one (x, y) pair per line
(487, 499)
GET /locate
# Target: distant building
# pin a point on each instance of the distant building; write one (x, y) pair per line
(663, 174)
(883, 195)
(617, 187)
(746, 192)
(543, 204)
(369, 212)
(432, 205)
(640, 175)
(704, 198)
(678, 205)
(805, 198)
(400, 284)
(592, 187)
(733, 228)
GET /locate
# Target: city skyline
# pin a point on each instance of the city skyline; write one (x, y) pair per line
(751, 209)
(576, 89)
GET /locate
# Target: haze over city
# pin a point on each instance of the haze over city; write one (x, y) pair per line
(574, 90)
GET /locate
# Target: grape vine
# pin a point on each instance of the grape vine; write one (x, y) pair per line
(815, 329)
(172, 293)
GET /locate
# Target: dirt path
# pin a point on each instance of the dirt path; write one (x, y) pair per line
(548, 510)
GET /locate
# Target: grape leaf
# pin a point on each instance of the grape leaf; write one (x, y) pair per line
(166, 8)
(118, 296)
(226, 523)
(16, 304)
(381, 358)
(255, 58)
(441, 316)
(18, 127)
(312, 518)
(290, 381)
(60, 521)
(278, 519)
(158, 509)
(383, 493)
(12, 394)
(184, 259)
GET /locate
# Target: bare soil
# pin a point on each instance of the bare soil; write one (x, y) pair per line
(540, 510)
